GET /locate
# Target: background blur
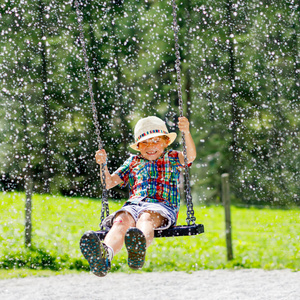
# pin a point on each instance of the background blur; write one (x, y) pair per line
(240, 73)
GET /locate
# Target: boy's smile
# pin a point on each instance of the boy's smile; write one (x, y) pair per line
(153, 148)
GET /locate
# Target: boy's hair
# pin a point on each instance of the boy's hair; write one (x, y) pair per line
(165, 137)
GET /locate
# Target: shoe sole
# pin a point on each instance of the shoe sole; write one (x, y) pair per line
(94, 252)
(135, 243)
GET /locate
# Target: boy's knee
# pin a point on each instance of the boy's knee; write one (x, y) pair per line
(124, 220)
(154, 218)
(149, 217)
(144, 217)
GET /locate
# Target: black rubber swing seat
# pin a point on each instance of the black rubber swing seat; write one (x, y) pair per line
(180, 230)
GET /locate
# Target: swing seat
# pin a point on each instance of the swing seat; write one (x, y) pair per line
(180, 230)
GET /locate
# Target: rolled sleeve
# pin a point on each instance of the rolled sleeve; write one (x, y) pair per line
(123, 172)
(174, 159)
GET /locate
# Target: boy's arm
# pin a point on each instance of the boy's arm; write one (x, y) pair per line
(184, 126)
(110, 180)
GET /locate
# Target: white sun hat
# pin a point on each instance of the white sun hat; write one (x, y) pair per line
(147, 128)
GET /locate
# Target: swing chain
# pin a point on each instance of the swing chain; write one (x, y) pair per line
(189, 202)
(105, 208)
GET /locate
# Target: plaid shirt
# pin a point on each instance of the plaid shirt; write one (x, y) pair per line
(154, 181)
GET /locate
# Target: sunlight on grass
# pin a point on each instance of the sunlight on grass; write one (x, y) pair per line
(262, 238)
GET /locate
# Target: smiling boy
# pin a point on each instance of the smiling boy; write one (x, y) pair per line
(153, 179)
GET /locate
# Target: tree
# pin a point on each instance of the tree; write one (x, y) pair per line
(240, 86)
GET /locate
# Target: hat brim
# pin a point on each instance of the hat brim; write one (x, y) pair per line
(172, 136)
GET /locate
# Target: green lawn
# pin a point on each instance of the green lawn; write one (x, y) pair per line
(262, 238)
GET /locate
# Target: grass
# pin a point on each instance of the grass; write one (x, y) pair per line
(262, 238)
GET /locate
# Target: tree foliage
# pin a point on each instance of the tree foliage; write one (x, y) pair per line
(240, 72)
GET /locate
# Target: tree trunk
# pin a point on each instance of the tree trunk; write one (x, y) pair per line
(28, 210)
(235, 119)
(296, 62)
(120, 104)
(28, 181)
(46, 97)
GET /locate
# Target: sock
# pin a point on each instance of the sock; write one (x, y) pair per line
(110, 252)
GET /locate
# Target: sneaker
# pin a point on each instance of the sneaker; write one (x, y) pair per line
(135, 242)
(95, 252)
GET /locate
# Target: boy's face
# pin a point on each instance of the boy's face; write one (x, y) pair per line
(153, 148)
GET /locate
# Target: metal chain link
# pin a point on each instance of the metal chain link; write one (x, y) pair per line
(105, 207)
(189, 201)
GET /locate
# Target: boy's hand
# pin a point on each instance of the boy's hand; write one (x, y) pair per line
(101, 157)
(184, 124)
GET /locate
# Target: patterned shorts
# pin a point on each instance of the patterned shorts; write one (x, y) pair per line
(136, 209)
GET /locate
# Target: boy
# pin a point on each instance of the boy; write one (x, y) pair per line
(153, 178)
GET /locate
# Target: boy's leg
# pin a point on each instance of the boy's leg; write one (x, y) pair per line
(139, 238)
(95, 252)
(147, 222)
(115, 237)
(135, 243)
